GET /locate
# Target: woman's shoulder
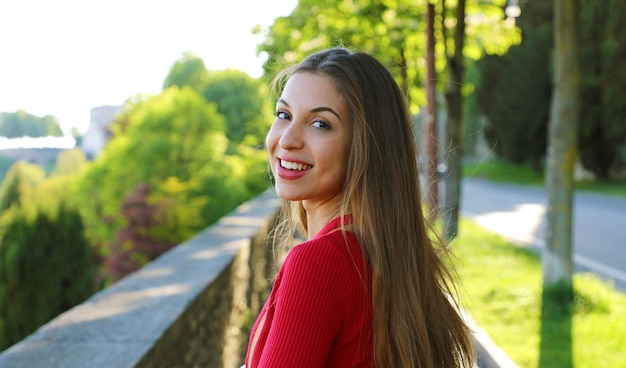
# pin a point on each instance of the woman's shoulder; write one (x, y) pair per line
(333, 253)
(332, 244)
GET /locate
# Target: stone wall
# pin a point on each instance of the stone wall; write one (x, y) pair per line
(39, 156)
(191, 307)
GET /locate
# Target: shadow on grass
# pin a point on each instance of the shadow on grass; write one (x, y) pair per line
(557, 307)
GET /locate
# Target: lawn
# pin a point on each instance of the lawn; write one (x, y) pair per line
(502, 290)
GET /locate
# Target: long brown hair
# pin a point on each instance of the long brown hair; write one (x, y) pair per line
(416, 323)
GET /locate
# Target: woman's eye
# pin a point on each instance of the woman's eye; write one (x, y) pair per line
(321, 124)
(282, 115)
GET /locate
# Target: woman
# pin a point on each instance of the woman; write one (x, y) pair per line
(367, 288)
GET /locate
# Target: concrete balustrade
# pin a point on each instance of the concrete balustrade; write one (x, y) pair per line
(191, 307)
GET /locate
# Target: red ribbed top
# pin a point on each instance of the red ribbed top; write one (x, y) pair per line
(319, 311)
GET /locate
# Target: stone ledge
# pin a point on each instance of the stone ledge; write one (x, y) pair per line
(489, 355)
(170, 312)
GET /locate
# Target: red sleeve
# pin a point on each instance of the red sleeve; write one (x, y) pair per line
(310, 307)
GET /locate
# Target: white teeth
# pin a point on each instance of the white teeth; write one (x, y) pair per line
(294, 165)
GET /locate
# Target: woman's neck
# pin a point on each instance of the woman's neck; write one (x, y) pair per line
(317, 216)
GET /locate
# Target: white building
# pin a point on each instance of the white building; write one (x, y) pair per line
(98, 133)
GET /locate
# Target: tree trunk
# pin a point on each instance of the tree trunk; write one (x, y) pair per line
(454, 127)
(429, 121)
(557, 256)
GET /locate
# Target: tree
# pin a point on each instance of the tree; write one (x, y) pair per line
(602, 132)
(454, 125)
(241, 99)
(21, 123)
(10, 125)
(430, 155)
(389, 30)
(557, 262)
(5, 166)
(70, 161)
(46, 267)
(244, 103)
(19, 180)
(189, 70)
(153, 225)
(469, 29)
(514, 90)
(175, 135)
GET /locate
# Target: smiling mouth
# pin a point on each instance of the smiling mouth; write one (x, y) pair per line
(294, 166)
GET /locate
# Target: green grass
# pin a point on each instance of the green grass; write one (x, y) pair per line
(502, 290)
(502, 171)
(617, 188)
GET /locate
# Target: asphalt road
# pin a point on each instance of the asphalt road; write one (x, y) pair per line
(519, 213)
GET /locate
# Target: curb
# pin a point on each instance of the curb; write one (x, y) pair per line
(488, 354)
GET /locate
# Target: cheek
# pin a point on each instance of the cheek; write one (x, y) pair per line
(343, 161)
(336, 159)
(271, 139)
(343, 151)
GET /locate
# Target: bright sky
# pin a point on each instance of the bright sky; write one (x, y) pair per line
(65, 57)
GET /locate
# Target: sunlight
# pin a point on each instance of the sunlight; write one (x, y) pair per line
(524, 224)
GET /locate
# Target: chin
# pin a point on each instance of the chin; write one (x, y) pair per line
(287, 195)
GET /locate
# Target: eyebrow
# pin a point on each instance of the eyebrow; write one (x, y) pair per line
(317, 109)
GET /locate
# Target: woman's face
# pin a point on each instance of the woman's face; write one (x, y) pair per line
(309, 141)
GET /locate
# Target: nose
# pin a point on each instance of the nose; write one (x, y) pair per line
(291, 137)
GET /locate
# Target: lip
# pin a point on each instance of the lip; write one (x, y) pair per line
(286, 173)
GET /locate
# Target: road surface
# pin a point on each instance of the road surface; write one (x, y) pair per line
(519, 213)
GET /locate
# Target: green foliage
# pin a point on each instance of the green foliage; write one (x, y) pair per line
(515, 90)
(241, 99)
(189, 70)
(46, 267)
(228, 184)
(21, 123)
(391, 30)
(69, 162)
(174, 145)
(154, 224)
(156, 219)
(5, 165)
(603, 108)
(179, 208)
(487, 30)
(48, 195)
(252, 168)
(173, 137)
(500, 170)
(27, 190)
(244, 103)
(175, 133)
(19, 181)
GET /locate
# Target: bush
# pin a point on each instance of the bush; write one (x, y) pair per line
(153, 225)
(20, 178)
(5, 165)
(46, 267)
